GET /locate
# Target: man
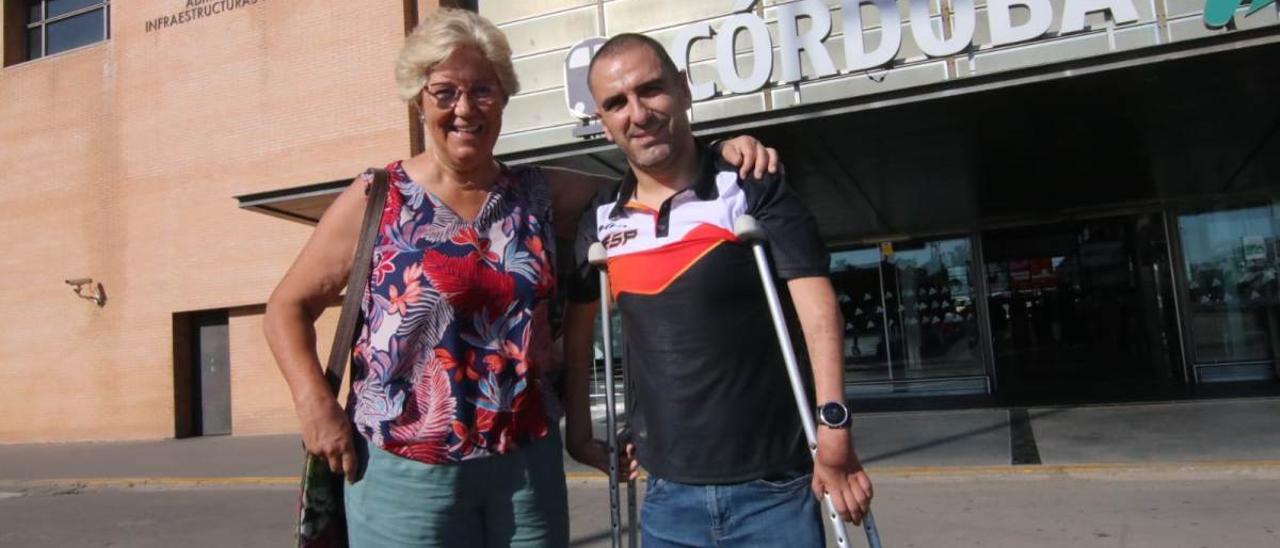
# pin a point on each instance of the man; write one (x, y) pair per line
(713, 422)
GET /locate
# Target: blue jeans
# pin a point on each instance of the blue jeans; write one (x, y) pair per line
(755, 513)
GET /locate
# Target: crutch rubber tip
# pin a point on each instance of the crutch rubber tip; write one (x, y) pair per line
(748, 229)
(596, 255)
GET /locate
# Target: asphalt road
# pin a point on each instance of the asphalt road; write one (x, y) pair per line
(947, 512)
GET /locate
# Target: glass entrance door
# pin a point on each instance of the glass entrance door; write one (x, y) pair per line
(1082, 308)
(1233, 302)
(909, 312)
(858, 278)
(932, 310)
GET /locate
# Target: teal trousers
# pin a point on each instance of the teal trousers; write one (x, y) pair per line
(513, 500)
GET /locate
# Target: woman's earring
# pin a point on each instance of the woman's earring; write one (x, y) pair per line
(422, 116)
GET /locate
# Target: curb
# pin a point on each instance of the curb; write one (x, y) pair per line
(1197, 470)
(1261, 469)
(152, 483)
(1192, 470)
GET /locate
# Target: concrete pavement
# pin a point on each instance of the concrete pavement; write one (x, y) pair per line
(1035, 510)
(1191, 473)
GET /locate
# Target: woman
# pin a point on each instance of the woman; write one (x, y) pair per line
(455, 445)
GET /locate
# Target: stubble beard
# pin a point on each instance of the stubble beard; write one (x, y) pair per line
(651, 156)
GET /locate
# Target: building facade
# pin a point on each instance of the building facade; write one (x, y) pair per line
(121, 161)
(1023, 199)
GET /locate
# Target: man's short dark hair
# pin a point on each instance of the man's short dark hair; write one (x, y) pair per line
(628, 40)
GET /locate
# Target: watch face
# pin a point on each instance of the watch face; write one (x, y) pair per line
(833, 413)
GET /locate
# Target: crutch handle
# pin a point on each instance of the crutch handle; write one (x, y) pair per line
(597, 256)
(748, 229)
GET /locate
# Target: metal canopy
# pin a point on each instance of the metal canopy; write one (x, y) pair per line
(304, 204)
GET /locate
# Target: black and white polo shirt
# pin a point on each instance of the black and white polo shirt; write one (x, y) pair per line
(712, 399)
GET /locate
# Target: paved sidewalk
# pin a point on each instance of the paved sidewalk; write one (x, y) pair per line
(1228, 434)
(1181, 475)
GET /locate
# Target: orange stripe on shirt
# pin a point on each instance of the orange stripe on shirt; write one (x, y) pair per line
(651, 272)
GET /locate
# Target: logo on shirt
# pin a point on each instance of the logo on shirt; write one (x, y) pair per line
(616, 239)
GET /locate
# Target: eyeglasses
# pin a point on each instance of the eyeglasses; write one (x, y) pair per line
(446, 96)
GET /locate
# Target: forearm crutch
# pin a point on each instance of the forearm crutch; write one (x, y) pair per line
(633, 529)
(749, 230)
(597, 257)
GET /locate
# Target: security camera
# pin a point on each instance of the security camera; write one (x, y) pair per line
(93, 292)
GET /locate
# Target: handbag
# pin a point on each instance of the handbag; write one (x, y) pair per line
(322, 518)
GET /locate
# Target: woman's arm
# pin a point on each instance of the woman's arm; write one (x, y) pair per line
(315, 280)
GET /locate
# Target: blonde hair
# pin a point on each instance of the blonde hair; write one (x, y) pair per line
(435, 39)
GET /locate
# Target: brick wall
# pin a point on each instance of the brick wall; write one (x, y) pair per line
(120, 161)
(260, 402)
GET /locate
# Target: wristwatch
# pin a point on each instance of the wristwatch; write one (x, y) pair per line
(833, 414)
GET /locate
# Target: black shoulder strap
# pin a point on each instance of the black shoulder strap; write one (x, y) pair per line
(340, 352)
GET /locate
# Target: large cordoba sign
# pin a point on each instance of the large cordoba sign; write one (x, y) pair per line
(859, 55)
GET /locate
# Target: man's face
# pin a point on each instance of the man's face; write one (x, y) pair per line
(641, 109)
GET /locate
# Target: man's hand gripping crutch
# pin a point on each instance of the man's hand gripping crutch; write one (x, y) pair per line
(749, 231)
(599, 258)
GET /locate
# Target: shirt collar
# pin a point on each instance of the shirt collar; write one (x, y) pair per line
(704, 187)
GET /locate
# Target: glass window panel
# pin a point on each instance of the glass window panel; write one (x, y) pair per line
(1231, 265)
(60, 7)
(933, 316)
(33, 43)
(1081, 304)
(33, 11)
(76, 31)
(855, 274)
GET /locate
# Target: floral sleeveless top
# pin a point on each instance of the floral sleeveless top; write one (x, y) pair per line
(446, 365)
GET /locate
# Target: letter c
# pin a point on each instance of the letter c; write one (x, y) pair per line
(680, 46)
